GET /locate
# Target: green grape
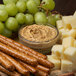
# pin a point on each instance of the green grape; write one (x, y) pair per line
(1, 27)
(3, 15)
(37, 2)
(11, 24)
(29, 19)
(20, 17)
(9, 1)
(21, 5)
(7, 33)
(32, 7)
(51, 20)
(40, 18)
(57, 17)
(11, 9)
(48, 4)
(2, 7)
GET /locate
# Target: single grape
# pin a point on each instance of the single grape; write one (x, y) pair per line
(21, 5)
(2, 7)
(9, 1)
(11, 24)
(29, 19)
(3, 15)
(57, 17)
(48, 4)
(20, 17)
(51, 20)
(40, 18)
(1, 27)
(7, 33)
(11, 9)
(37, 2)
(32, 7)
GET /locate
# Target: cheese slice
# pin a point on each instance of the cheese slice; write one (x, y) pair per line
(68, 42)
(55, 61)
(70, 53)
(66, 66)
(57, 50)
(60, 24)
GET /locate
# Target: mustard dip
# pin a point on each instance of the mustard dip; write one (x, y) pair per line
(38, 33)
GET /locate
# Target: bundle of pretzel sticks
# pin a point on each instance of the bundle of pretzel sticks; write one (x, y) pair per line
(17, 59)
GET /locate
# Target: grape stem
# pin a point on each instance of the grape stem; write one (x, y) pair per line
(47, 11)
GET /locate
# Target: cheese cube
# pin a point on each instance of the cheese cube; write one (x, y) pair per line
(71, 33)
(68, 42)
(60, 24)
(75, 43)
(73, 22)
(74, 14)
(66, 20)
(60, 34)
(70, 53)
(66, 66)
(55, 61)
(61, 31)
(57, 50)
(69, 22)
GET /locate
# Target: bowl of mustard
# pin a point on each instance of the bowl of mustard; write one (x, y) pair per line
(39, 37)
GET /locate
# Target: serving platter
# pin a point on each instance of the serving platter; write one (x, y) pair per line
(64, 36)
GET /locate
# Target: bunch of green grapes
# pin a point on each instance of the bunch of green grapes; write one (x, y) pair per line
(15, 13)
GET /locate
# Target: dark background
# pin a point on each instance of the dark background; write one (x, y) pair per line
(65, 7)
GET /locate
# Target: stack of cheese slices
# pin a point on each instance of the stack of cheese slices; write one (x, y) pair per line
(64, 54)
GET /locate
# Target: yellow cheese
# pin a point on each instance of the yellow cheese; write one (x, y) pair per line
(73, 22)
(57, 50)
(55, 61)
(63, 33)
(71, 33)
(75, 43)
(69, 22)
(66, 20)
(70, 53)
(68, 42)
(60, 33)
(59, 24)
(66, 66)
(74, 14)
